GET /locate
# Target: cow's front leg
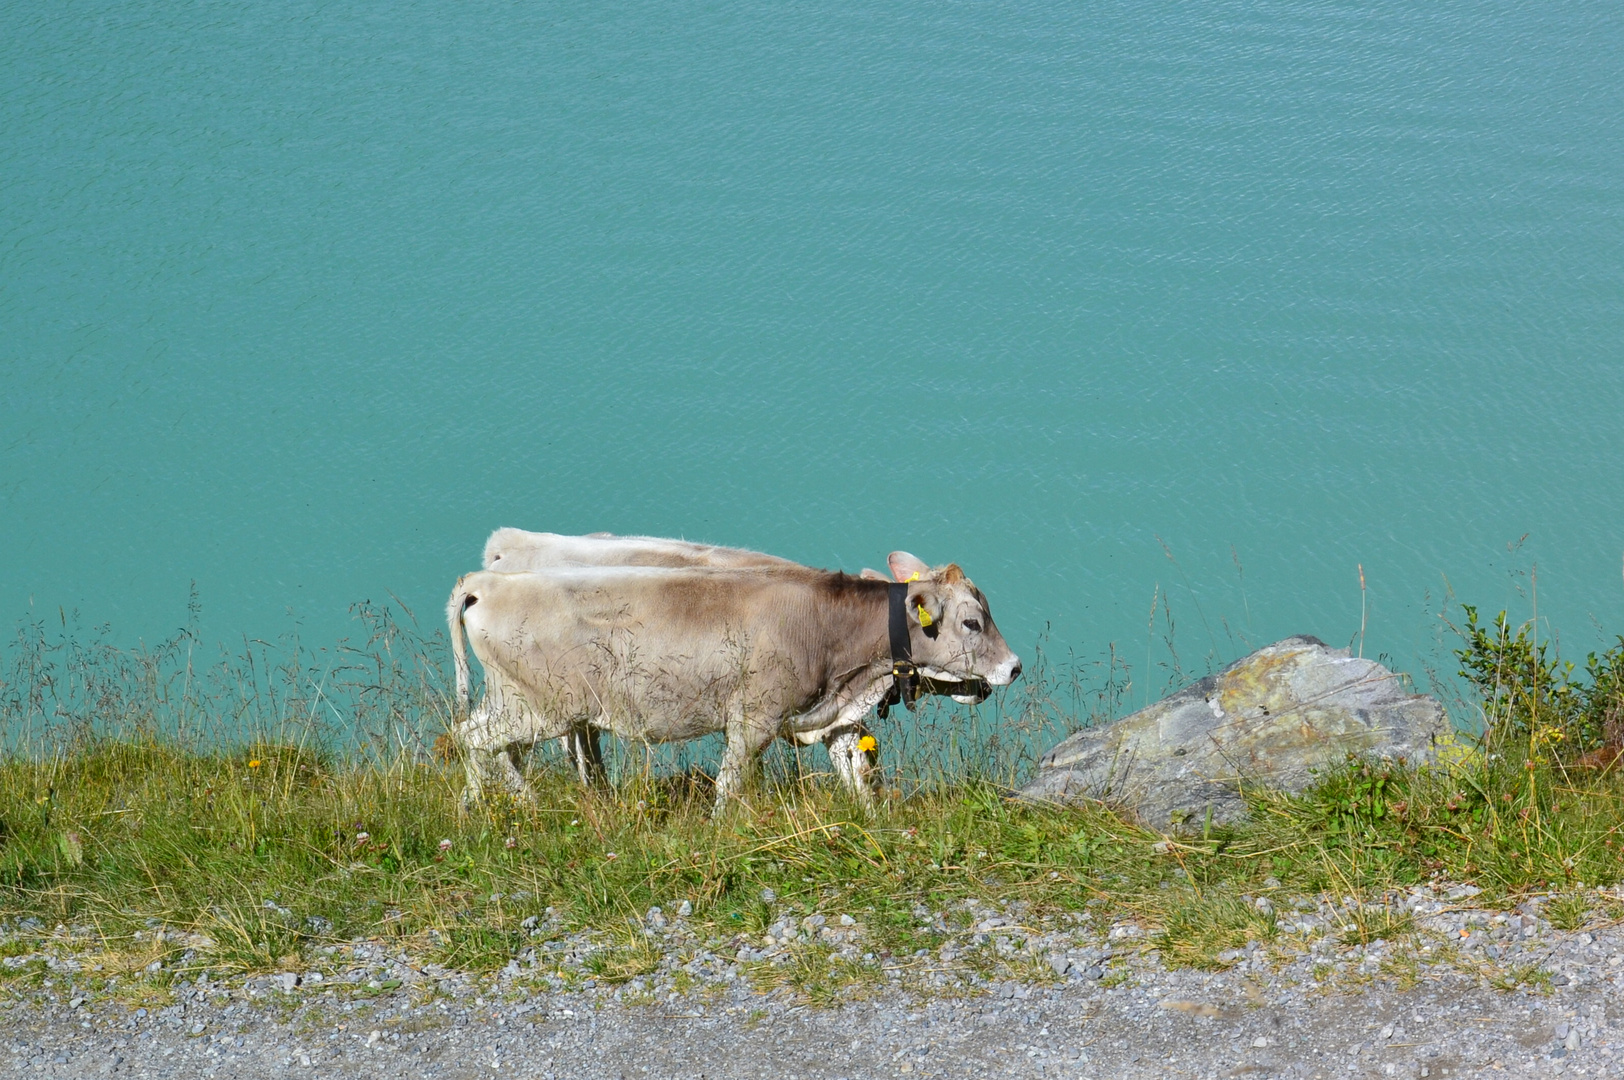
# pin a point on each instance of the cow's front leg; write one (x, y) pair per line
(744, 746)
(855, 755)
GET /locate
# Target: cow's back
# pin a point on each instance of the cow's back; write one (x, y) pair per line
(516, 550)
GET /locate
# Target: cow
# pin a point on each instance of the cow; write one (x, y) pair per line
(511, 550)
(663, 654)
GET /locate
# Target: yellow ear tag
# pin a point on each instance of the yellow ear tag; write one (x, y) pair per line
(924, 616)
(912, 579)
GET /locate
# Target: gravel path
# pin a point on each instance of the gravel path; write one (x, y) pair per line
(1104, 1006)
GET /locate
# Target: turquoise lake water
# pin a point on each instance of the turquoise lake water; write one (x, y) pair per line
(298, 301)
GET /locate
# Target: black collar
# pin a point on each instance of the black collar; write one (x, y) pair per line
(905, 685)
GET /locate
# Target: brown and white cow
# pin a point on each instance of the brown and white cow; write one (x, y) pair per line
(663, 654)
(512, 551)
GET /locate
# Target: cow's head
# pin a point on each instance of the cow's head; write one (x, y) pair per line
(951, 631)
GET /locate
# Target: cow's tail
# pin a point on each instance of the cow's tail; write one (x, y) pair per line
(460, 599)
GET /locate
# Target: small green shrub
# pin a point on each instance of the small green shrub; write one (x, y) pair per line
(1529, 693)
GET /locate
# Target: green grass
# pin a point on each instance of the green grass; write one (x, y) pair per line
(269, 861)
(818, 975)
(1196, 930)
(1368, 924)
(1569, 911)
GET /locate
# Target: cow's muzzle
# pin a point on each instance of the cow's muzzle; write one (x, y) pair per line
(964, 691)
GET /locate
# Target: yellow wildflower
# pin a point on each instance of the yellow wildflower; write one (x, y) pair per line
(867, 744)
(254, 764)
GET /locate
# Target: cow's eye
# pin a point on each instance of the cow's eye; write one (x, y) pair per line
(973, 625)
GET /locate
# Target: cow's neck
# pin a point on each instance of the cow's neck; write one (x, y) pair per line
(853, 652)
(858, 639)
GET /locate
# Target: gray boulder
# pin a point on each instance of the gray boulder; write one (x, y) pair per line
(1269, 719)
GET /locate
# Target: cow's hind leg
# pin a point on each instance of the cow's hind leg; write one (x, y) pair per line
(474, 787)
(475, 754)
(512, 775)
(477, 763)
(855, 755)
(488, 748)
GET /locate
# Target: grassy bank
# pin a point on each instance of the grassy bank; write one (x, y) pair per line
(256, 857)
(268, 853)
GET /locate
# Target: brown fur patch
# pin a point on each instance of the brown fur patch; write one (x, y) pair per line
(950, 574)
(842, 584)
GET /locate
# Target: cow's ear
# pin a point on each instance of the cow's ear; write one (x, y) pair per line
(950, 574)
(905, 567)
(872, 575)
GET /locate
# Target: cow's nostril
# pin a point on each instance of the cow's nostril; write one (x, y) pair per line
(1015, 672)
